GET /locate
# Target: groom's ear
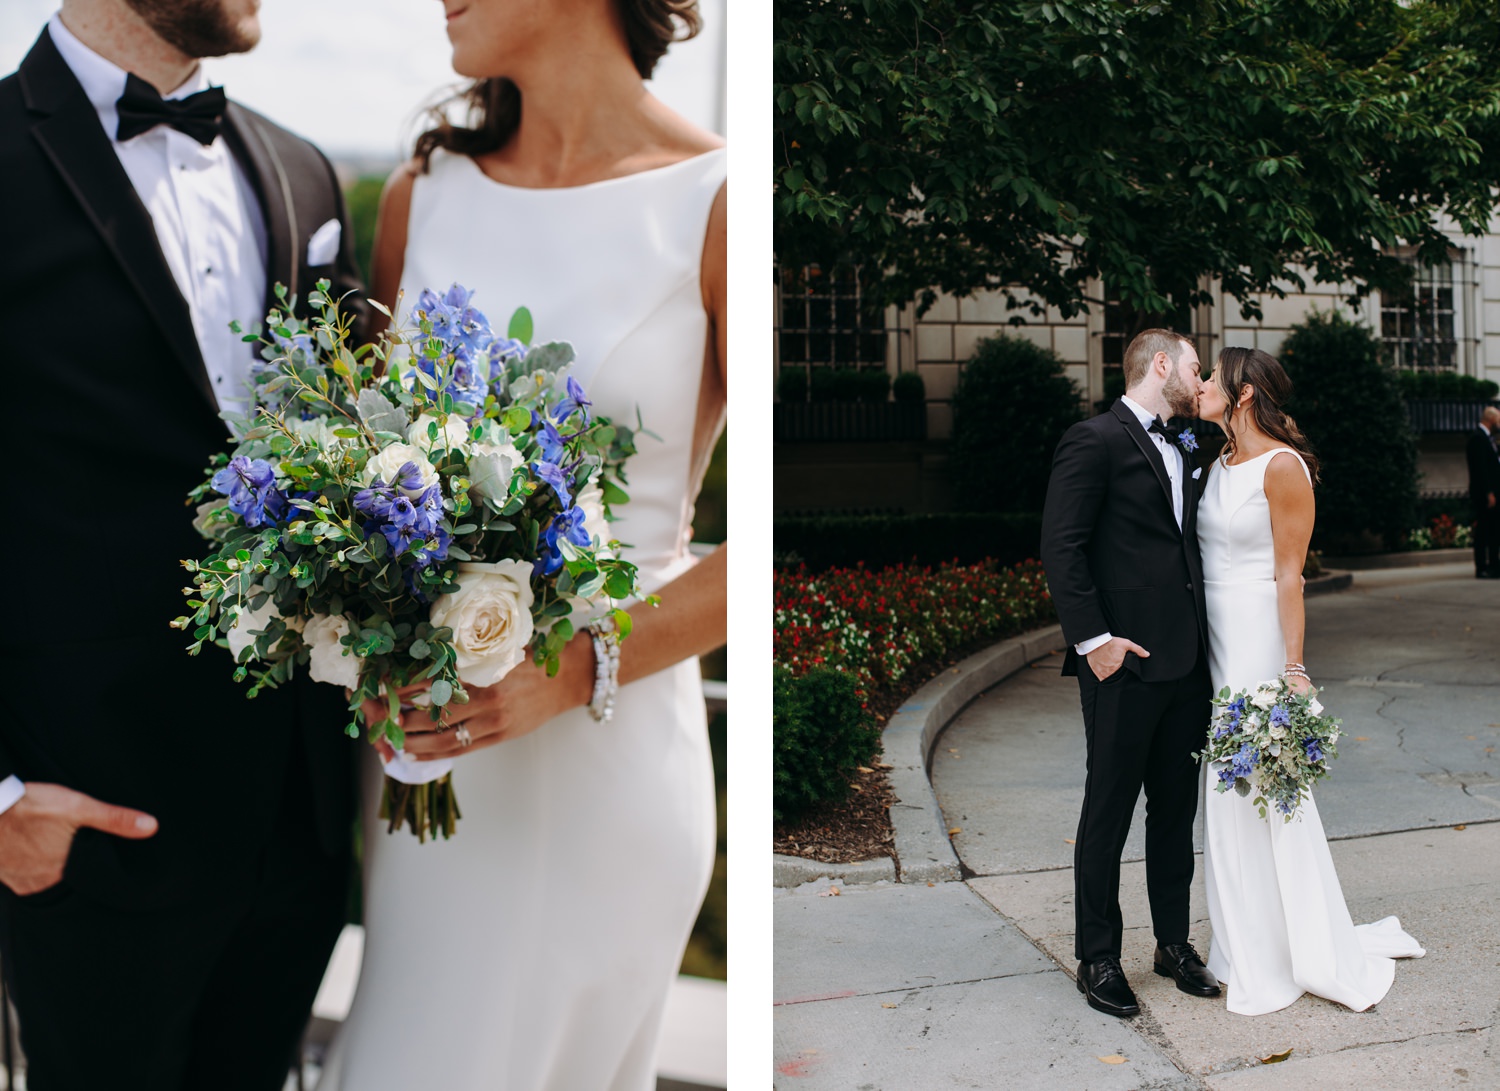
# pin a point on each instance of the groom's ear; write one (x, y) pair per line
(1161, 363)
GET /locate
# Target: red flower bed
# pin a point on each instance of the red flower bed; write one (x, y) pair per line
(879, 623)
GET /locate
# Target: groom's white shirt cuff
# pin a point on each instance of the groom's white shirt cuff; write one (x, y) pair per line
(11, 790)
(1092, 643)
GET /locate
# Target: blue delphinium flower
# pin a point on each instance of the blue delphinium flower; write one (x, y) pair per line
(407, 524)
(462, 334)
(575, 402)
(552, 442)
(1280, 717)
(1226, 777)
(250, 485)
(1245, 760)
(1314, 749)
(565, 526)
(557, 477)
(1188, 440)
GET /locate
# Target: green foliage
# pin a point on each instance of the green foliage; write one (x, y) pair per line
(909, 387)
(821, 733)
(827, 541)
(791, 384)
(362, 197)
(956, 146)
(1446, 386)
(1348, 403)
(1012, 405)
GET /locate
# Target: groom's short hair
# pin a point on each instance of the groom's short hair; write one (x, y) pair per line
(1144, 346)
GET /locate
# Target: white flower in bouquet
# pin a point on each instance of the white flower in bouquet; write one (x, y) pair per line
(490, 616)
(387, 466)
(319, 431)
(250, 623)
(1265, 697)
(454, 434)
(329, 660)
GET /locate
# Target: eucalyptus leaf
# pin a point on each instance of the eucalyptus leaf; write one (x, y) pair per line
(378, 413)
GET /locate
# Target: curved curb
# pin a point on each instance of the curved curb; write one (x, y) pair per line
(1328, 581)
(789, 871)
(923, 849)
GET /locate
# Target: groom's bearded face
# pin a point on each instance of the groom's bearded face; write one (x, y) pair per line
(203, 28)
(1181, 397)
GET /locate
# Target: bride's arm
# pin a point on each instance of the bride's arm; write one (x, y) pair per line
(1290, 499)
(388, 254)
(690, 621)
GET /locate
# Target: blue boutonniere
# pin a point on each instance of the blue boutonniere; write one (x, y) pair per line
(1188, 440)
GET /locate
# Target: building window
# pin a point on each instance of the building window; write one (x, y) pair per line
(1419, 326)
(824, 320)
(1121, 324)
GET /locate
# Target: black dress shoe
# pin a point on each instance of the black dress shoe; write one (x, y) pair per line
(1180, 961)
(1103, 983)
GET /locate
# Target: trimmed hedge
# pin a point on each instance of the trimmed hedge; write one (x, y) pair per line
(1446, 385)
(909, 387)
(821, 733)
(826, 541)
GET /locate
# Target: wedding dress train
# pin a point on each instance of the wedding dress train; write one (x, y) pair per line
(534, 951)
(1280, 926)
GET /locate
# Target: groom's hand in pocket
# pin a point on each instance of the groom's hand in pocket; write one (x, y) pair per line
(37, 832)
(1109, 657)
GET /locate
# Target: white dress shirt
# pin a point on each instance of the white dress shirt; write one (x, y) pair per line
(1172, 458)
(207, 219)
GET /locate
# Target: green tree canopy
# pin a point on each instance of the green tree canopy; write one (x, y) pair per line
(957, 146)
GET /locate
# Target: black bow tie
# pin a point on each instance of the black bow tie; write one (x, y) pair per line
(200, 116)
(1164, 429)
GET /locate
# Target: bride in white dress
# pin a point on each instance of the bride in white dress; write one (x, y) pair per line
(534, 951)
(1280, 926)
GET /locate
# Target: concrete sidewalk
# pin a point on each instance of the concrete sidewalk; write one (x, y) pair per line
(891, 986)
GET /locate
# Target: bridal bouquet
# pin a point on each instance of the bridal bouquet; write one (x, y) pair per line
(1270, 740)
(431, 508)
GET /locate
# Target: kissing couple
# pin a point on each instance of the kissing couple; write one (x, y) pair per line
(1173, 581)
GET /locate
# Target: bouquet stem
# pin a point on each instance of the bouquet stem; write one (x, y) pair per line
(428, 809)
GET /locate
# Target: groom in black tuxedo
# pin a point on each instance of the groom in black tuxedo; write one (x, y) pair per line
(174, 857)
(1120, 546)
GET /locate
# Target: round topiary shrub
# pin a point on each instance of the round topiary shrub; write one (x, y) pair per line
(821, 733)
(1012, 405)
(909, 387)
(1348, 402)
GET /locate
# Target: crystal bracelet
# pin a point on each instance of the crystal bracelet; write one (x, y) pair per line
(606, 668)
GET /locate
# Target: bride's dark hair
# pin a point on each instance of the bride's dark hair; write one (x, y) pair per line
(493, 106)
(1241, 367)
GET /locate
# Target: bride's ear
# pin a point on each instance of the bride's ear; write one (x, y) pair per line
(1247, 395)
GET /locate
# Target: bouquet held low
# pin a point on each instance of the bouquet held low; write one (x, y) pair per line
(431, 508)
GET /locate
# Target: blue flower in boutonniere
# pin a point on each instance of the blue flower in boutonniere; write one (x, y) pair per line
(1188, 440)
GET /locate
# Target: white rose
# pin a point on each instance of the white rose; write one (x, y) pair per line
(330, 661)
(1264, 698)
(387, 464)
(490, 616)
(249, 623)
(454, 434)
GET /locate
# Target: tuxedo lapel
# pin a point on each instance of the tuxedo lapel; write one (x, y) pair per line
(268, 176)
(1148, 448)
(68, 131)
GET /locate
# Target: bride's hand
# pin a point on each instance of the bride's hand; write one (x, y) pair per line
(517, 705)
(1299, 684)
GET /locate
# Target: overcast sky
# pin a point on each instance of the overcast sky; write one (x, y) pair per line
(353, 75)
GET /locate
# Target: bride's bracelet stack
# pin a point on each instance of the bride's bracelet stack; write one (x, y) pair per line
(1295, 670)
(606, 668)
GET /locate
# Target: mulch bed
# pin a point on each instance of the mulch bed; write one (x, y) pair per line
(859, 828)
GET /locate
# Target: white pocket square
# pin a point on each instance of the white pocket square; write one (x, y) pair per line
(323, 247)
(1197, 473)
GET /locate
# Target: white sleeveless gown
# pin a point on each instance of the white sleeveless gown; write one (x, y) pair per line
(534, 951)
(1280, 926)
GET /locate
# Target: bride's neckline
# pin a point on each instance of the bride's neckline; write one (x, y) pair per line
(588, 185)
(1236, 465)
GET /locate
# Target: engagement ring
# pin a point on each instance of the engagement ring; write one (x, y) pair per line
(463, 736)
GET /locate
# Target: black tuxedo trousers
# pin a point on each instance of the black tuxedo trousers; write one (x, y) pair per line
(227, 914)
(1118, 562)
